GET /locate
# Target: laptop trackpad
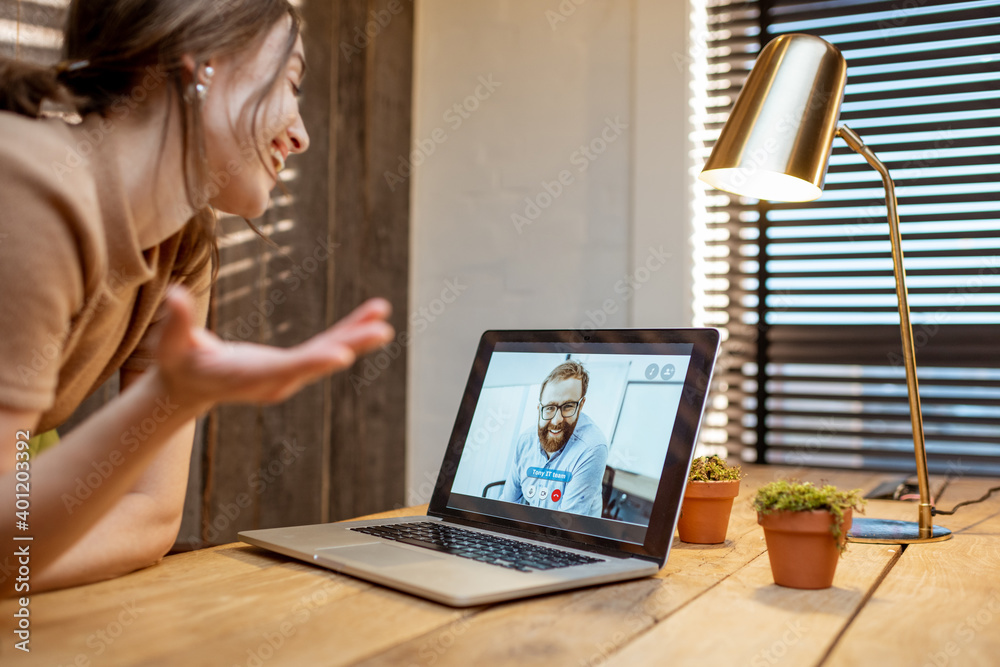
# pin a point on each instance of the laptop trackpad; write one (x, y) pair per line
(377, 555)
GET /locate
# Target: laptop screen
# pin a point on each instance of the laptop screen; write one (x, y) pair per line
(588, 437)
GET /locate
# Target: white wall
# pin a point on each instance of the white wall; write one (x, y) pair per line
(511, 96)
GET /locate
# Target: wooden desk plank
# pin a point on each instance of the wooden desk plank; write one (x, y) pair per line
(940, 603)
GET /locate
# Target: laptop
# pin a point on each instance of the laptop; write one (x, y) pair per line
(566, 468)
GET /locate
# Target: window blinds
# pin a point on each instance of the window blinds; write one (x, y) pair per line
(32, 30)
(813, 370)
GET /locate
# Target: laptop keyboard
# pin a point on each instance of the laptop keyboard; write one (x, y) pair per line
(477, 546)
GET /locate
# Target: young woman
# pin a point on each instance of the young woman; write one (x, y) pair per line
(106, 253)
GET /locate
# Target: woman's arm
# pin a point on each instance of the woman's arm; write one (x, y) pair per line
(140, 528)
(77, 483)
(127, 438)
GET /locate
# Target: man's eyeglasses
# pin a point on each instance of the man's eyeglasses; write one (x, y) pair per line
(567, 409)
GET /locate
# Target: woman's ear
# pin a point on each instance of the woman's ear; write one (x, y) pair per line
(189, 64)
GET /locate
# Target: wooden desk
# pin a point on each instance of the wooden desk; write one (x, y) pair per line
(936, 604)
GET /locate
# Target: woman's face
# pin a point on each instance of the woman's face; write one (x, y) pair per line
(239, 182)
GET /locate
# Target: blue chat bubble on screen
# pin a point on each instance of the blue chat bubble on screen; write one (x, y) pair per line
(553, 475)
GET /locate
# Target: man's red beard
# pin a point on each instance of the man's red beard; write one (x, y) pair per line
(553, 443)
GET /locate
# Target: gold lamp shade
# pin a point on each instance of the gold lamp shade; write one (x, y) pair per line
(777, 140)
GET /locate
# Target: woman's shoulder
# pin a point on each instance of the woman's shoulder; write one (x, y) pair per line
(49, 136)
(40, 144)
(47, 192)
(39, 159)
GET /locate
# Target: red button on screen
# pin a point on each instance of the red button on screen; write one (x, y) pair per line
(556, 495)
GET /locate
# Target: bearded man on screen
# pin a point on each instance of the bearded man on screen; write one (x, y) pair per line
(560, 465)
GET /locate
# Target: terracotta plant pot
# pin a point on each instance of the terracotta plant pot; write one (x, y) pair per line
(801, 548)
(705, 512)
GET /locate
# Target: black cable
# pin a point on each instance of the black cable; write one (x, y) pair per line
(989, 493)
(945, 485)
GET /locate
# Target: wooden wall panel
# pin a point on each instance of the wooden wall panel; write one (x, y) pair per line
(296, 432)
(371, 223)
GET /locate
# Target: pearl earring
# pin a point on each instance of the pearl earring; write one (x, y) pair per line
(199, 91)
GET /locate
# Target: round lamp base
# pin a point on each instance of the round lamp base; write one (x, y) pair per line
(890, 531)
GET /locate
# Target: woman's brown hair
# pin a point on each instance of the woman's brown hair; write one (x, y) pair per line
(112, 46)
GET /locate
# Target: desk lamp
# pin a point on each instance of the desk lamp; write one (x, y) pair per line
(775, 146)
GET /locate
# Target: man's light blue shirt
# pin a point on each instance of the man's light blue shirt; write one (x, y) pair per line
(574, 473)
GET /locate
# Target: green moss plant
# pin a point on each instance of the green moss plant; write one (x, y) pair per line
(791, 496)
(713, 469)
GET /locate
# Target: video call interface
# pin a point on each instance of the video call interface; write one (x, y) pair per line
(541, 451)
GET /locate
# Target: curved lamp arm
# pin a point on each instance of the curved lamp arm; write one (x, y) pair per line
(909, 357)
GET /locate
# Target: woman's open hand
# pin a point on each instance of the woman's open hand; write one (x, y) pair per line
(198, 366)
